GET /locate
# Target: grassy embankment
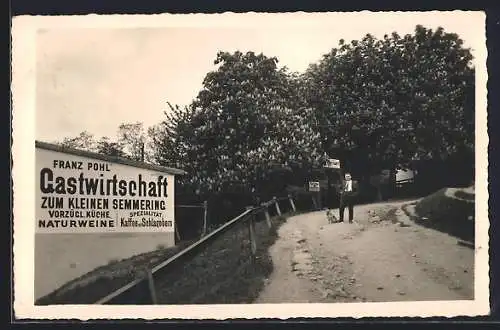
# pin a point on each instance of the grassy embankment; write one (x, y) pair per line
(449, 210)
(223, 273)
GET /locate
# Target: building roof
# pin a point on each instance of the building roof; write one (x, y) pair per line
(112, 159)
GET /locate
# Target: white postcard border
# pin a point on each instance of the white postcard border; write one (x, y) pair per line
(23, 88)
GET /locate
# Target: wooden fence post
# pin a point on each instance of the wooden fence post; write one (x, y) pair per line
(177, 234)
(277, 206)
(205, 218)
(251, 231)
(315, 204)
(268, 217)
(292, 203)
(152, 288)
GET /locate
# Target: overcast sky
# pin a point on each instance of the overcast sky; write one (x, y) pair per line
(93, 79)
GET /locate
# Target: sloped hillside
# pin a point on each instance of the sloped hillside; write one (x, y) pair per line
(450, 210)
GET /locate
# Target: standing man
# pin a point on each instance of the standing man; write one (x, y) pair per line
(348, 192)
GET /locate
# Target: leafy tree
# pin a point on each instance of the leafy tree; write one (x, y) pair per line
(168, 141)
(132, 137)
(110, 148)
(248, 118)
(84, 141)
(386, 103)
(154, 145)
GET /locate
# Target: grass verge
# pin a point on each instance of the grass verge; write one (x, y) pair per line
(442, 212)
(89, 288)
(225, 272)
(465, 195)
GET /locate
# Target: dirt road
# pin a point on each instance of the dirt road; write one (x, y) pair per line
(382, 256)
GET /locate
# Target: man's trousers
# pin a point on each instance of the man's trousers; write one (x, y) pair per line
(346, 200)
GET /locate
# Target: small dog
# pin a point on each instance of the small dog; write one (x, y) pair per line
(331, 217)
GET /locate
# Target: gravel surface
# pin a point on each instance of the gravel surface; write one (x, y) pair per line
(382, 256)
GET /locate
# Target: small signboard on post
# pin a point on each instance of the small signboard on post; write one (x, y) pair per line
(314, 186)
(333, 163)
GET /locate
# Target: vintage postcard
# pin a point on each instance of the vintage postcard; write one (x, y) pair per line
(254, 165)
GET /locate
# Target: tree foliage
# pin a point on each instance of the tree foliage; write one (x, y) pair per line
(247, 118)
(384, 103)
(83, 141)
(169, 140)
(107, 147)
(376, 104)
(131, 137)
(128, 142)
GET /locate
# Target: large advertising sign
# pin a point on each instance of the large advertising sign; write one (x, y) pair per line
(77, 194)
